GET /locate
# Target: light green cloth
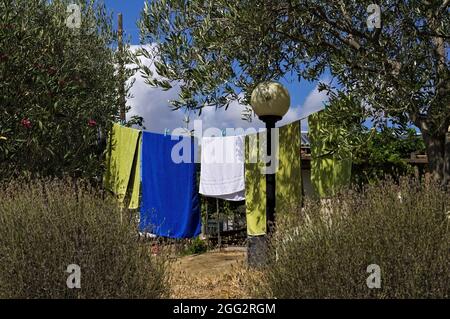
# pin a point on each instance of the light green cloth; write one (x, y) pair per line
(288, 177)
(331, 165)
(122, 176)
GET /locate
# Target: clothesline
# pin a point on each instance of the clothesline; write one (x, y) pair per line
(223, 132)
(151, 177)
(166, 131)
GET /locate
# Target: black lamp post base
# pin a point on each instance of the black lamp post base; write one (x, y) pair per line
(257, 251)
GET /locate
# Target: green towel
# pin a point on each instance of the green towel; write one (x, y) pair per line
(288, 177)
(136, 177)
(331, 165)
(122, 176)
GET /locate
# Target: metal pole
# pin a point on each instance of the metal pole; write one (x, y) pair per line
(270, 182)
(219, 239)
(258, 245)
(122, 103)
(301, 165)
(207, 223)
(270, 174)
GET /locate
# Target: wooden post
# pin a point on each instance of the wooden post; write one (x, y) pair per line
(121, 84)
(219, 239)
(206, 223)
(301, 167)
(122, 100)
(447, 159)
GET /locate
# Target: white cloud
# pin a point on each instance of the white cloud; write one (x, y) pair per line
(314, 102)
(230, 118)
(152, 104)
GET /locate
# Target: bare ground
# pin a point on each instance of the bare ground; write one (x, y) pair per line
(215, 274)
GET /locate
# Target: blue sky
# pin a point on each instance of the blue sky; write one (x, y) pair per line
(152, 103)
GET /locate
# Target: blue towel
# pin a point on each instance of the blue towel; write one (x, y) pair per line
(170, 203)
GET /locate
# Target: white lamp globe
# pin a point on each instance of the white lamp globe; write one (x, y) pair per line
(270, 99)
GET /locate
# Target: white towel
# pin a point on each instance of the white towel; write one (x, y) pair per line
(222, 167)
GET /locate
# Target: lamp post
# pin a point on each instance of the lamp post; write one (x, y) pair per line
(270, 102)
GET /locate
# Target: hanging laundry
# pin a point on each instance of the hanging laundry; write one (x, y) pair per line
(287, 177)
(222, 168)
(255, 185)
(122, 175)
(170, 203)
(331, 165)
(289, 174)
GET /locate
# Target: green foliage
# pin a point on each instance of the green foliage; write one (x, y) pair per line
(47, 225)
(384, 154)
(342, 122)
(324, 253)
(219, 48)
(195, 246)
(58, 88)
(218, 51)
(375, 153)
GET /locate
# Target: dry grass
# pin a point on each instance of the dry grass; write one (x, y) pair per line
(215, 274)
(324, 252)
(46, 225)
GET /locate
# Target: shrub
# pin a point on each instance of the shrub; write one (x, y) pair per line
(58, 88)
(195, 246)
(47, 225)
(325, 252)
(384, 154)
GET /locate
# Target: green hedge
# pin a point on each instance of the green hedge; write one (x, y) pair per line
(58, 88)
(47, 225)
(324, 253)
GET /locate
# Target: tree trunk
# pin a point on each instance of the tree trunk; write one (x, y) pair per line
(447, 159)
(438, 151)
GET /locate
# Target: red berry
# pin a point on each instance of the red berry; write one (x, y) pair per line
(26, 123)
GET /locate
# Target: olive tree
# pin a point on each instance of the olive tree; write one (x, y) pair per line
(393, 55)
(58, 87)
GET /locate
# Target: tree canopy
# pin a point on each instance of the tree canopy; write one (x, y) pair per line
(58, 87)
(396, 63)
